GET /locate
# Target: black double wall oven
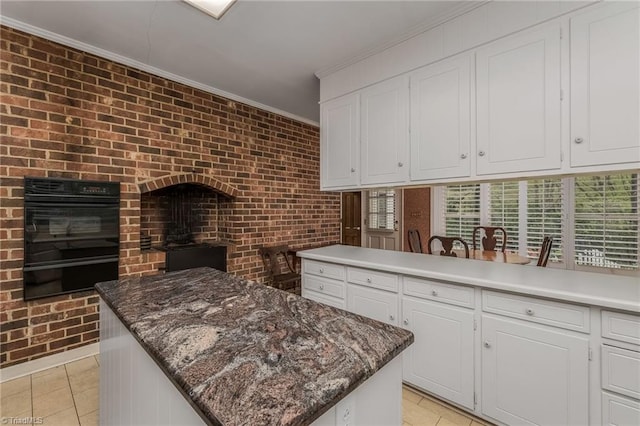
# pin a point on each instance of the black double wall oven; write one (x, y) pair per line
(71, 235)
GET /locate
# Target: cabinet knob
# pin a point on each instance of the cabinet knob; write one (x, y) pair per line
(463, 156)
(481, 153)
(487, 344)
(368, 280)
(530, 312)
(578, 140)
(321, 286)
(353, 169)
(391, 317)
(406, 322)
(400, 164)
(322, 270)
(434, 293)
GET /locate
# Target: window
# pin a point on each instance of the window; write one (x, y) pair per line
(606, 221)
(593, 219)
(382, 210)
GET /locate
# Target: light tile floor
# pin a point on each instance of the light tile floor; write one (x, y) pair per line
(67, 395)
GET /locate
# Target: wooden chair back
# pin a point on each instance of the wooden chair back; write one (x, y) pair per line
(545, 251)
(415, 244)
(447, 245)
(489, 240)
(279, 265)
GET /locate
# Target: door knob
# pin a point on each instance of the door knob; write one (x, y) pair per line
(463, 156)
(353, 169)
(406, 322)
(321, 286)
(434, 293)
(400, 164)
(487, 344)
(530, 312)
(578, 140)
(391, 317)
(481, 153)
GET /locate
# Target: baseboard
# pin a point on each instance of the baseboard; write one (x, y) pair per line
(30, 367)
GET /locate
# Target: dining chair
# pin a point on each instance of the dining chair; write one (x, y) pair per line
(488, 237)
(280, 269)
(545, 251)
(415, 244)
(447, 245)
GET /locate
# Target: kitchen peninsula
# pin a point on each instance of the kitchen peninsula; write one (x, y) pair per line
(240, 353)
(483, 329)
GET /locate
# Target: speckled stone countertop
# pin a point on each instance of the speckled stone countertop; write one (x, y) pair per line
(246, 353)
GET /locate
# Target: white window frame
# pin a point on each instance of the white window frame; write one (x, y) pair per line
(568, 229)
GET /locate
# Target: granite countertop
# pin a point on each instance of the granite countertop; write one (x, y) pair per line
(591, 288)
(245, 353)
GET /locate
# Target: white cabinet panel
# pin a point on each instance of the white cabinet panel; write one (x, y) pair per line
(441, 120)
(385, 132)
(518, 103)
(441, 358)
(621, 371)
(620, 326)
(619, 411)
(372, 303)
(339, 147)
(605, 85)
(534, 374)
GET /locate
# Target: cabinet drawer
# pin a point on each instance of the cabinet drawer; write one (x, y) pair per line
(619, 326)
(323, 298)
(329, 270)
(563, 315)
(434, 290)
(369, 278)
(324, 286)
(621, 371)
(617, 410)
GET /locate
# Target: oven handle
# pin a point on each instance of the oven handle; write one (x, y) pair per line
(31, 204)
(68, 264)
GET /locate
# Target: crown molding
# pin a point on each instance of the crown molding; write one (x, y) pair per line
(425, 26)
(85, 47)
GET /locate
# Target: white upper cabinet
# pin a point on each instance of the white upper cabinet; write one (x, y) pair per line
(518, 103)
(385, 132)
(441, 120)
(339, 148)
(605, 85)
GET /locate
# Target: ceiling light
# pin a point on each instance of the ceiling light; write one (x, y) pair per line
(215, 8)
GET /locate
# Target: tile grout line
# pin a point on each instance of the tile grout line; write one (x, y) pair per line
(73, 396)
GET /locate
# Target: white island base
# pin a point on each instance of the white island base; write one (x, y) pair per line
(134, 390)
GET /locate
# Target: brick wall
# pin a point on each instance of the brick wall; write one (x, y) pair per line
(416, 214)
(65, 113)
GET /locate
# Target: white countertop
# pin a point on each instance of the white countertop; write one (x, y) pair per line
(606, 290)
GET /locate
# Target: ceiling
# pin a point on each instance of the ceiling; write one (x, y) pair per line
(264, 52)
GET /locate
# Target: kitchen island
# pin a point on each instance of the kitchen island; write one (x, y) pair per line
(240, 352)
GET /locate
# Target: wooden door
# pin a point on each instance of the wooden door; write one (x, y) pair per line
(385, 132)
(339, 147)
(518, 103)
(605, 87)
(534, 374)
(441, 358)
(441, 120)
(352, 218)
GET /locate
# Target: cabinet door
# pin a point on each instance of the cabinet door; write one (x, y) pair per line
(441, 358)
(441, 119)
(605, 87)
(385, 132)
(518, 103)
(373, 303)
(339, 153)
(534, 374)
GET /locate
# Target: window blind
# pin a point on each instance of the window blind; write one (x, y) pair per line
(545, 217)
(504, 210)
(382, 210)
(461, 210)
(606, 221)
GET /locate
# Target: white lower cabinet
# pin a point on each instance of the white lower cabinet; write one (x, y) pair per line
(441, 358)
(373, 303)
(534, 374)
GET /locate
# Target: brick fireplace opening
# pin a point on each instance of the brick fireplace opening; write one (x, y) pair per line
(179, 212)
